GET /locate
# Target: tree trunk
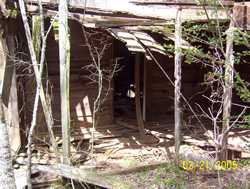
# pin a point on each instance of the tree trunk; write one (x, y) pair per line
(177, 75)
(7, 179)
(228, 86)
(64, 53)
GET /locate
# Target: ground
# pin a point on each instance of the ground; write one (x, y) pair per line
(149, 162)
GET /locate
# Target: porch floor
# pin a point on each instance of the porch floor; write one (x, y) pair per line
(121, 142)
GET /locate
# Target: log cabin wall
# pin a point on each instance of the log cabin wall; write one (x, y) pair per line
(82, 90)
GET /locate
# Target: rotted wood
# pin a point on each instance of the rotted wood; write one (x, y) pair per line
(137, 96)
(177, 75)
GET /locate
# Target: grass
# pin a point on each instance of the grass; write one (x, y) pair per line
(171, 176)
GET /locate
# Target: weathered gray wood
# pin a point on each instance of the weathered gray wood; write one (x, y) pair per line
(177, 75)
(13, 117)
(7, 179)
(6, 70)
(64, 54)
(137, 95)
(9, 91)
(228, 86)
(83, 175)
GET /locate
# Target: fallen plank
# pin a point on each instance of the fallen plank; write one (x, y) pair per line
(81, 175)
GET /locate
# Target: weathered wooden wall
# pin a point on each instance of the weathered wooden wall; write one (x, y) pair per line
(160, 92)
(82, 90)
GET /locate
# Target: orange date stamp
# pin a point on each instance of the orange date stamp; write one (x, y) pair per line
(205, 165)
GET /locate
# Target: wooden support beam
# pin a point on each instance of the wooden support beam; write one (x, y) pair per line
(137, 95)
(9, 91)
(144, 105)
(13, 117)
(7, 179)
(177, 75)
(228, 87)
(64, 54)
(6, 69)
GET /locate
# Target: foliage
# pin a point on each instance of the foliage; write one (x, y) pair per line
(241, 88)
(36, 35)
(208, 46)
(170, 176)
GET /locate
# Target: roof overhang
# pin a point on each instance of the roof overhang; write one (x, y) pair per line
(137, 41)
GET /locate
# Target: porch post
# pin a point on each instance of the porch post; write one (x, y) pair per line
(177, 75)
(137, 95)
(64, 54)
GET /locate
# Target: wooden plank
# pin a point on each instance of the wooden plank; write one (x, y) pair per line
(137, 94)
(64, 54)
(13, 117)
(177, 75)
(6, 68)
(82, 175)
(9, 91)
(7, 179)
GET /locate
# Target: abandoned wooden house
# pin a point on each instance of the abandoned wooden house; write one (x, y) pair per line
(139, 87)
